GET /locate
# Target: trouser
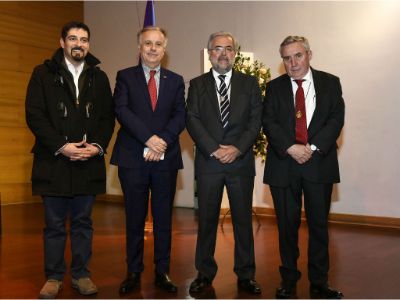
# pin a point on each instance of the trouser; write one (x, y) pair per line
(136, 185)
(240, 194)
(57, 210)
(288, 204)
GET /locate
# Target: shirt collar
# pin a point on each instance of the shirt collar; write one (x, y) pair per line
(227, 78)
(72, 67)
(307, 77)
(146, 69)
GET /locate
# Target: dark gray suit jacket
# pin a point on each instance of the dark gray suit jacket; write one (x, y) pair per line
(325, 127)
(205, 127)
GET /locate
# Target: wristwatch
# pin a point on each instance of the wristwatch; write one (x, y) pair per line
(313, 148)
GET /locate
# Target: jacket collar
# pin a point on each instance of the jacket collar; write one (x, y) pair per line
(58, 58)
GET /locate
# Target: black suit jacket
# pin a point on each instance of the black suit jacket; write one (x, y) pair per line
(325, 127)
(205, 127)
(139, 122)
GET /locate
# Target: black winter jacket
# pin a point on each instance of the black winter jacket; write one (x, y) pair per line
(55, 118)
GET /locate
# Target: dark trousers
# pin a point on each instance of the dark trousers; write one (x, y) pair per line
(288, 204)
(240, 194)
(136, 185)
(57, 210)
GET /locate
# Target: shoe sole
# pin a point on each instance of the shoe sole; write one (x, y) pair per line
(83, 293)
(157, 284)
(243, 289)
(41, 296)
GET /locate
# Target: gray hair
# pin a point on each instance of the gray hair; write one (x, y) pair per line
(295, 39)
(224, 34)
(150, 28)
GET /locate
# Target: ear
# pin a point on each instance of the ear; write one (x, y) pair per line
(62, 43)
(310, 54)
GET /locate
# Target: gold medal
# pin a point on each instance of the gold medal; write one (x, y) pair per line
(298, 114)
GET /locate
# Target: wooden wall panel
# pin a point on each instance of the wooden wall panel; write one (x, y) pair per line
(53, 13)
(15, 168)
(21, 31)
(12, 115)
(16, 193)
(21, 58)
(29, 34)
(13, 85)
(15, 141)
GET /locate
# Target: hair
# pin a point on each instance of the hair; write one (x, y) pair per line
(224, 34)
(295, 39)
(150, 28)
(74, 24)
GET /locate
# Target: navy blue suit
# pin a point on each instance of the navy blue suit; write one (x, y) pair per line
(138, 123)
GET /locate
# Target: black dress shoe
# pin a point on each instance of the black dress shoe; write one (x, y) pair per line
(324, 291)
(287, 290)
(131, 281)
(285, 293)
(163, 281)
(249, 285)
(199, 284)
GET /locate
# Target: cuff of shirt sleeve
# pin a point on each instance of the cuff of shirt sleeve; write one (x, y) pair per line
(61, 149)
(101, 152)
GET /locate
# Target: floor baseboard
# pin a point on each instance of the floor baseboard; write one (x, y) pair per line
(333, 217)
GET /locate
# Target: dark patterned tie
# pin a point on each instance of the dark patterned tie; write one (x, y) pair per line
(224, 101)
(301, 120)
(152, 89)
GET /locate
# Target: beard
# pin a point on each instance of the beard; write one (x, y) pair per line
(222, 68)
(221, 64)
(77, 56)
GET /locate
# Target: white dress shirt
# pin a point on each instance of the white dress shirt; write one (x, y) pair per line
(309, 95)
(228, 76)
(76, 72)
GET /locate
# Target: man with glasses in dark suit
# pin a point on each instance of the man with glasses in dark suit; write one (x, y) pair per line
(224, 110)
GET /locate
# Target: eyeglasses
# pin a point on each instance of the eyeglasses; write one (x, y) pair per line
(220, 49)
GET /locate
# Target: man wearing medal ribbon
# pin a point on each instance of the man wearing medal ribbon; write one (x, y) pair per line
(302, 119)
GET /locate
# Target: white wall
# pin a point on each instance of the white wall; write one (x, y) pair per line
(357, 41)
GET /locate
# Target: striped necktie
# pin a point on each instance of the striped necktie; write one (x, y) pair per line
(224, 100)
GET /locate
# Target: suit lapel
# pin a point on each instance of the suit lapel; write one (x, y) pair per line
(288, 97)
(234, 102)
(141, 83)
(209, 82)
(162, 88)
(318, 86)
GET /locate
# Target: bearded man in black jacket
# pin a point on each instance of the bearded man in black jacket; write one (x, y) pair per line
(69, 110)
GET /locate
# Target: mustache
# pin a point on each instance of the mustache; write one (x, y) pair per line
(77, 48)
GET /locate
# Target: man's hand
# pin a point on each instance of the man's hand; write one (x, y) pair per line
(152, 156)
(156, 144)
(79, 151)
(226, 154)
(300, 153)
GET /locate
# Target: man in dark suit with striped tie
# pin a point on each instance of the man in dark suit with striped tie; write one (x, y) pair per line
(224, 110)
(150, 106)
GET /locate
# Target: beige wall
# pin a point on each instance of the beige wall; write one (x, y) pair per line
(29, 33)
(358, 41)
